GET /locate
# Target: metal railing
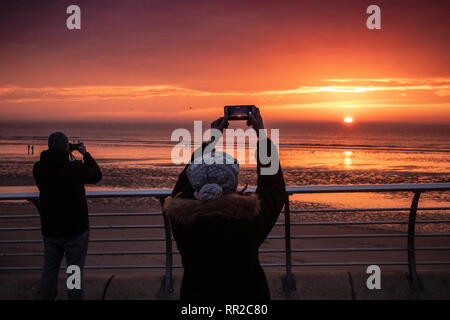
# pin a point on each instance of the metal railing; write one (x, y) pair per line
(289, 282)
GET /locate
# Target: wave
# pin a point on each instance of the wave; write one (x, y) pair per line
(367, 147)
(121, 142)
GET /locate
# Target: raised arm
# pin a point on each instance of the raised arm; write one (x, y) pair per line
(272, 194)
(90, 171)
(183, 187)
(271, 188)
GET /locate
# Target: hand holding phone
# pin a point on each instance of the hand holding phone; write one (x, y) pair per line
(255, 120)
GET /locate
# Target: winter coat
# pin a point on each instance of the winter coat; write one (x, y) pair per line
(219, 240)
(62, 199)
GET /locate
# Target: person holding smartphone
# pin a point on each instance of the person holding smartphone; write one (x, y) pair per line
(63, 209)
(218, 230)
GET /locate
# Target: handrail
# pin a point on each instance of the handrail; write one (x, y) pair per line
(289, 190)
(288, 280)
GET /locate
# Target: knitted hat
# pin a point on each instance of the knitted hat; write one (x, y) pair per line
(215, 175)
(58, 141)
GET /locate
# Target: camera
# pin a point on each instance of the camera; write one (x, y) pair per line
(240, 112)
(74, 146)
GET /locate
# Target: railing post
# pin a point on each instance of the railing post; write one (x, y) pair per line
(413, 278)
(289, 283)
(167, 281)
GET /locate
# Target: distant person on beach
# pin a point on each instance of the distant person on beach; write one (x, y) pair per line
(63, 209)
(28, 149)
(32, 149)
(218, 230)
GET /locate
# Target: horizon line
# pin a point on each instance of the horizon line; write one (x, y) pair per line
(118, 121)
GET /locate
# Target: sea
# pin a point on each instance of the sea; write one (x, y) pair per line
(139, 156)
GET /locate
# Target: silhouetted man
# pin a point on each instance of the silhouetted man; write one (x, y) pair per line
(63, 209)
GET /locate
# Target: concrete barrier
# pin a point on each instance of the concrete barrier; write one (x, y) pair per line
(141, 287)
(310, 285)
(26, 287)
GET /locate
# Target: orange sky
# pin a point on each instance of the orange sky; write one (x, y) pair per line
(180, 60)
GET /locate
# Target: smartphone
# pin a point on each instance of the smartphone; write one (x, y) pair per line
(240, 112)
(74, 146)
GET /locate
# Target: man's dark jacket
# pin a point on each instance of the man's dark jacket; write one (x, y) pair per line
(219, 240)
(62, 200)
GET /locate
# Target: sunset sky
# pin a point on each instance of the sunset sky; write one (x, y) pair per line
(185, 60)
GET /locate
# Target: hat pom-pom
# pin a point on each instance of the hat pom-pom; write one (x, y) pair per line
(210, 191)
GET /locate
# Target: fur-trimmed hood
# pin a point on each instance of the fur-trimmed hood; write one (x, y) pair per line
(232, 206)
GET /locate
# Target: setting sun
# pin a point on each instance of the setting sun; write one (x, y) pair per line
(348, 119)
